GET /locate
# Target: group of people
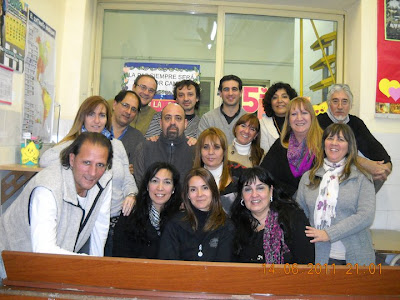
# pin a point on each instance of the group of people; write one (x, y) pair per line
(128, 181)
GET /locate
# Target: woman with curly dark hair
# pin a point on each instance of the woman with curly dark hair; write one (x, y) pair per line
(275, 104)
(159, 198)
(269, 225)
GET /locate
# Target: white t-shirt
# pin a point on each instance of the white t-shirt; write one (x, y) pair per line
(43, 216)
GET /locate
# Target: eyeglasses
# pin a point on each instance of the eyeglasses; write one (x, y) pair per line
(145, 88)
(126, 105)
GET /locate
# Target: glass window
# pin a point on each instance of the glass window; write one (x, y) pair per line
(267, 48)
(255, 45)
(155, 37)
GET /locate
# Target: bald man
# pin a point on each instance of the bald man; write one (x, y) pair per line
(171, 147)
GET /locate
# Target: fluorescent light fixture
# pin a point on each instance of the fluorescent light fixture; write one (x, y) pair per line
(213, 31)
(209, 46)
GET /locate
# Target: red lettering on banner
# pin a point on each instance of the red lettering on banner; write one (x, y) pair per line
(252, 97)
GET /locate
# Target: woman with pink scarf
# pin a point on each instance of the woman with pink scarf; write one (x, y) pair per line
(293, 154)
(269, 226)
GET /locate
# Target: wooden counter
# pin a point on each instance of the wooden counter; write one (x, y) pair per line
(146, 279)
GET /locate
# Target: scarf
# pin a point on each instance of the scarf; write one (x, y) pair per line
(154, 217)
(274, 240)
(104, 132)
(216, 173)
(334, 120)
(299, 157)
(242, 149)
(328, 193)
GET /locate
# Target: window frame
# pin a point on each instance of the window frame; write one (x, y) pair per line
(221, 9)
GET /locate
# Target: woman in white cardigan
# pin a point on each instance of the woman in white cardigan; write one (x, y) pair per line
(275, 104)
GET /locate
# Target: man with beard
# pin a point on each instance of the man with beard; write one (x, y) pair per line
(171, 147)
(225, 116)
(187, 95)
(377, 161)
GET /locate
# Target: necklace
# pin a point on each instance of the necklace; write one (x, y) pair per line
(276, 125)
(200, 253)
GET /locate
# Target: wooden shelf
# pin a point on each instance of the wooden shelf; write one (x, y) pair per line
(321, 63)
(326, 41)
(322, 84)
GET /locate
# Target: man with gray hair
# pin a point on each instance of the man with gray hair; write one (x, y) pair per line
(340, 101)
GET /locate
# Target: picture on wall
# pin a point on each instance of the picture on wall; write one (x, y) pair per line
(392, 19)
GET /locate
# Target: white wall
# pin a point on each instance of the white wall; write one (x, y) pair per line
(52, 12)
(72, 20)
(360, 73)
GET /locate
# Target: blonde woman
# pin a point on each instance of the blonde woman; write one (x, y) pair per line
(293, 154)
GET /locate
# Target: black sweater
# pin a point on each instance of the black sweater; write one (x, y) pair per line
(301, 250)
(277, 164)
(180, 242)
(126, 245)
(367, 144)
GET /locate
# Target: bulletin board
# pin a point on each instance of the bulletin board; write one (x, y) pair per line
(388, 54)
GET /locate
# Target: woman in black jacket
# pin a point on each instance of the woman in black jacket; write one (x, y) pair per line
(159, 198)
(269, 225)
(202, 231)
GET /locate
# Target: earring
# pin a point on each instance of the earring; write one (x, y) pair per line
(242, 202)
(271, 199)
(173, 191)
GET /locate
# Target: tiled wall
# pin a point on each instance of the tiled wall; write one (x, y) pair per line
(387, 214)
(10, 132)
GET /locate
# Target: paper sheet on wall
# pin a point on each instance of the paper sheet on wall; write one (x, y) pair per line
(13, 16)
(40, 72)
(6, 79)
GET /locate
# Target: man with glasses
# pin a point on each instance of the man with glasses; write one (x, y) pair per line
(225, 116)
(126, 106)
(145, 86)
